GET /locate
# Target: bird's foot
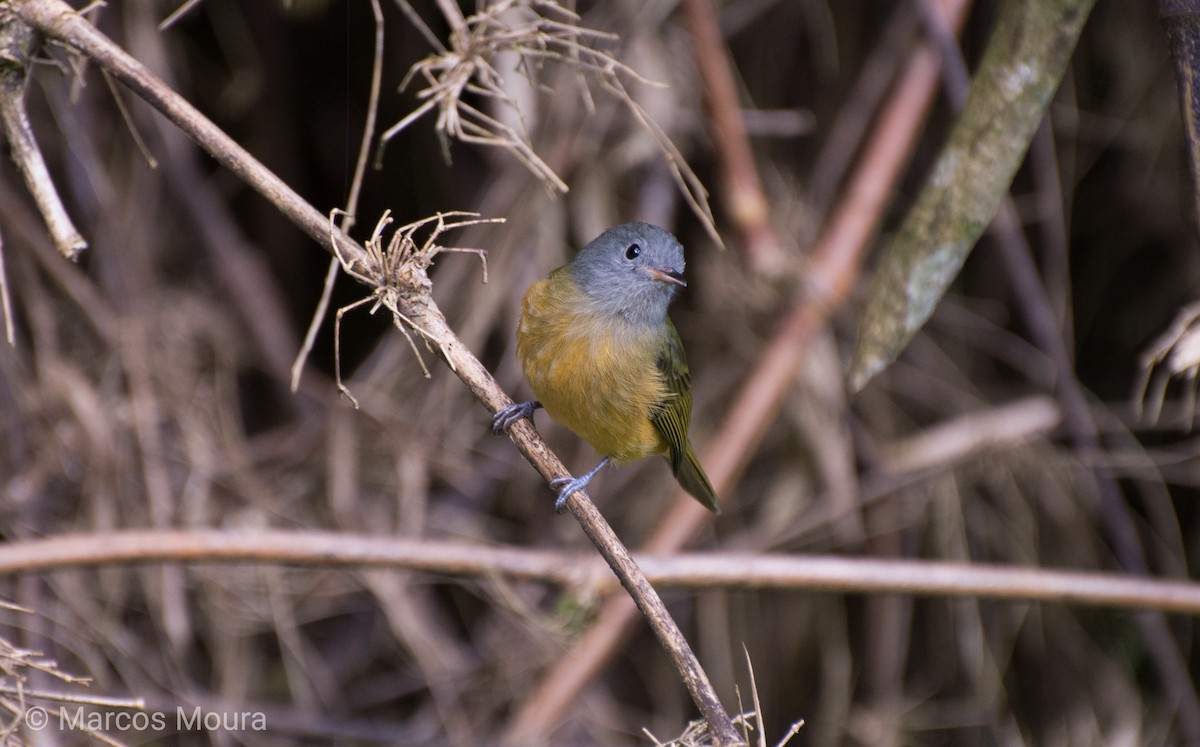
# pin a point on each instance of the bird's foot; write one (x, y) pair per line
(568, 485)
(504, 419)
(565, 486)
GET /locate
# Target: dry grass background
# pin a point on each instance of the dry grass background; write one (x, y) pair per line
(148, 388)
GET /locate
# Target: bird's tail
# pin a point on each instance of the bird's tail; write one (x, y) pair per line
(691, 476)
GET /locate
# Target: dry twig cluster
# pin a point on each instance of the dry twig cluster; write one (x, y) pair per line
(397, 269)
(535, 32)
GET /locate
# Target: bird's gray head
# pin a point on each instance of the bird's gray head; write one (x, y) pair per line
(633, 270)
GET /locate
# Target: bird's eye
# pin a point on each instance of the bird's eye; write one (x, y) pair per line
(633, 251)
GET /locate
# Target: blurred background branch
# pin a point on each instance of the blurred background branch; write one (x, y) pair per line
(1018, 76)
(584, 575)
(1181, 21)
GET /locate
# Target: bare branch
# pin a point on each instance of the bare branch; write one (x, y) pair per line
(16, 49)
(586, 574)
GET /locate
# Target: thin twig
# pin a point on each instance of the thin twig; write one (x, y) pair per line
(686, 180)
(130, 125)
(5, 304)
(16, 49)
(368, 134)
(318, 317)
(758, 713)
(178, 13)
(136, 704)
(419, 24)
(351, 209)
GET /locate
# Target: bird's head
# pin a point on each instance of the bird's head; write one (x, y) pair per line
(633, 270)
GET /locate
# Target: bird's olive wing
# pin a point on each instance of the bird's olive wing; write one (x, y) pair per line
(670, 417)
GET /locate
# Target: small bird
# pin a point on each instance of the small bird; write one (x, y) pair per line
(604, 359)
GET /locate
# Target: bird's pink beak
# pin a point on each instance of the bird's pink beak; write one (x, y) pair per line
(666, 276)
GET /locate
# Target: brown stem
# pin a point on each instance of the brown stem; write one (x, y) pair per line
(578, 570)
(748, 205)
(16, 48)
(1181, 22)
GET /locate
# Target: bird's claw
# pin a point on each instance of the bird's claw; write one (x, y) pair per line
(565, 487)
(568, 485)
(504, 419)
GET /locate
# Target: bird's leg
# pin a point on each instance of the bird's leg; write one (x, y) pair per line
(504, 419)
(568, 485)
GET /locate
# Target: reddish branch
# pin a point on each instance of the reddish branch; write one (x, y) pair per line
(743, 188)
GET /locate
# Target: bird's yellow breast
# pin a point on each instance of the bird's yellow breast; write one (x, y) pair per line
(593, 372)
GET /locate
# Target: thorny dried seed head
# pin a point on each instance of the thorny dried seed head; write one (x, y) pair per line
(520, 26)
(401, 265)
(397, 273)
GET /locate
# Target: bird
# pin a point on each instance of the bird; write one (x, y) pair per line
(604, 359)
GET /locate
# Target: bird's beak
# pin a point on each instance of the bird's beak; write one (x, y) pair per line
(670, 277)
